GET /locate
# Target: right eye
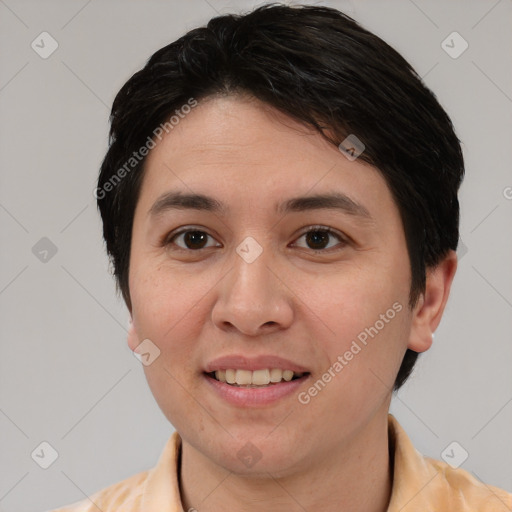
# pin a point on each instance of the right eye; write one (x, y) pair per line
(190, 239)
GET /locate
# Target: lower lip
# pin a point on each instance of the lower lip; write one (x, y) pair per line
(253, 397)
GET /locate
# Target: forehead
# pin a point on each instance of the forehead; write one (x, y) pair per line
(244, 151)
(233, 128)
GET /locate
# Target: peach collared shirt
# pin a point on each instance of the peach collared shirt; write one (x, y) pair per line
(420, 484)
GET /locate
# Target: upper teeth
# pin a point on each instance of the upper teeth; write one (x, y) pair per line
(257, 377)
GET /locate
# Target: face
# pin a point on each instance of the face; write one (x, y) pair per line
(253, 276)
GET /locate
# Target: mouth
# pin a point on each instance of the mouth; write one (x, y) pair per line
(258, 381)
(263, 378)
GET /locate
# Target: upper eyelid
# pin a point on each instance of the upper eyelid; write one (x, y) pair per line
(321, 227)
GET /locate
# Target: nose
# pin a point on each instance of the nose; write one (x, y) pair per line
(252, 298)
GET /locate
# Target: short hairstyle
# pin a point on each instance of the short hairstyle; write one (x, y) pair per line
(320, 67)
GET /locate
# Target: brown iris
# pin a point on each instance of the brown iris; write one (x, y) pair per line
(317, 239)
(195, 239)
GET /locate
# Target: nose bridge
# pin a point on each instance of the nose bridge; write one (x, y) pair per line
(250, 271)
(251, 295)
(250, 280)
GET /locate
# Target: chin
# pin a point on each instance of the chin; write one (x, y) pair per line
(256, 453)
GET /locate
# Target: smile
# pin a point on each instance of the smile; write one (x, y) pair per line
(250, 395)
(256, 378)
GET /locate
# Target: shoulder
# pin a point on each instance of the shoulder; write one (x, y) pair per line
(143, 491)
(114, 498)
(424, 483)
(461, 490)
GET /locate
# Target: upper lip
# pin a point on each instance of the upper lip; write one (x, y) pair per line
(240, 362)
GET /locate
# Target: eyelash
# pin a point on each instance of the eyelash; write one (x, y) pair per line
(169, 240)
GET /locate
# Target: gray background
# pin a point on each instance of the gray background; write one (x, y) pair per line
(66, 374)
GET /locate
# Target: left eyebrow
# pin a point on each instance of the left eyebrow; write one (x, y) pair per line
(332, 201)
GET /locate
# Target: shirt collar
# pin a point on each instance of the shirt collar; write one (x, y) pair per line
(419, 483)
(414, 479)
(162, 491)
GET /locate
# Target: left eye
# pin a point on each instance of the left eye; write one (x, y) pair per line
(319, 239)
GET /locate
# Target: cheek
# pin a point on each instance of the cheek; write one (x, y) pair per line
(170, 305)
(362, 325)
(166, 308)
(346, 304)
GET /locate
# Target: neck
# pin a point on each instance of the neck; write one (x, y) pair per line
(355, 477)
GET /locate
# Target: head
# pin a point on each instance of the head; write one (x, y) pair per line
(251, 111)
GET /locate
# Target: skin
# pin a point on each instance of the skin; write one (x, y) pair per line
(195, 305)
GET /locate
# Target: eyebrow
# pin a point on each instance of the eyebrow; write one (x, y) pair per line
(176, 200)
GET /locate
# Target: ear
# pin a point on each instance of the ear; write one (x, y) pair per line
(430, 307)
(132, 338)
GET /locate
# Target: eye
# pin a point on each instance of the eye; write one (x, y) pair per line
(191, 239)
(316, 238)
(320, 238)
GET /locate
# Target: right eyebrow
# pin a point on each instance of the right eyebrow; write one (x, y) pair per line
(176, 200)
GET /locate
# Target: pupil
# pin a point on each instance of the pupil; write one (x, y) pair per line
(317, 239)
(195, 239)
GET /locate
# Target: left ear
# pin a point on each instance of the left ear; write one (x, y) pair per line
(430, 307)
